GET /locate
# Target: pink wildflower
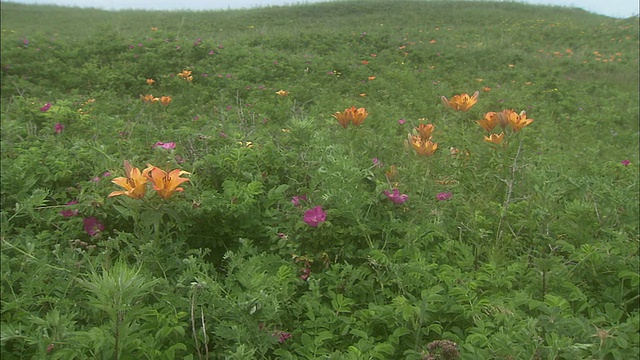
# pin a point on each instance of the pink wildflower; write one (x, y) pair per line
(444, 196)
(58, 128)
(282, 336)
(169, 145)
(396, 197)
(306, 272)
(296, 200)
(70, 212)
(92, 226)
(314, 217)
(46, 107)
(625, 162)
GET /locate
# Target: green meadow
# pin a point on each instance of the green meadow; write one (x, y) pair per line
(343, 180)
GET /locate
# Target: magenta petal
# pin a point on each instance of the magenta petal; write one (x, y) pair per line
(92, 226)
(396, 197)
(315, 216)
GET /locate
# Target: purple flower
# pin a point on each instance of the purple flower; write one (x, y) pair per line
(401, 121)
(444, 196)
(625, 162)
(58, 127)
(69, 212)
(46, 107)
(106, 174)
(211, 52)
(168, 146)
(92, 226)
(296, 199)
(376, 162)
(396, 197)
(314, 217)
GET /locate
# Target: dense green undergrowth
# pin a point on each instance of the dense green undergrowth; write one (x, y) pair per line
(288, 241)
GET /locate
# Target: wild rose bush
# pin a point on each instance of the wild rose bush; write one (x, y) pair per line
(389, 188)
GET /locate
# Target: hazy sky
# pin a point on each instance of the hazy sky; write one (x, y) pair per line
(613, 8)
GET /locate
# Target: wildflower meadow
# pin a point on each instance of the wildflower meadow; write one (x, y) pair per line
(343, 180)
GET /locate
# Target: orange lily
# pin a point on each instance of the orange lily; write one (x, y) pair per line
(150, 81)
(344, 118)
(462, 102)
(165, 100)
(494, 138)
(425, 130)
(489, 121)
(282, 93)
(519, 121)
(147, 98)
(505, 117)
(134, 182)
(186, 74)
(422, 146)
(358, 115)
(166, 184)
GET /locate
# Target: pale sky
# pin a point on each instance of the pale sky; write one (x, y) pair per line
(612, 8)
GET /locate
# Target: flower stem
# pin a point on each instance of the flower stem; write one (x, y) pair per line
(508, 191)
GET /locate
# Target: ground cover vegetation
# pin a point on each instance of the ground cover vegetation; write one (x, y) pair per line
(349, 180)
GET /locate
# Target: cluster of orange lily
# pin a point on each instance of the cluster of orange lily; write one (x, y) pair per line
(351, 115)
(504, 118)
(150, 99)
(186, 74)
(135, 181)
(420, 140)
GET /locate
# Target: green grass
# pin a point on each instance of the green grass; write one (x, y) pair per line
(535, 255)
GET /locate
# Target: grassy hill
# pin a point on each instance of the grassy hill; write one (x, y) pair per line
(298, 238)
